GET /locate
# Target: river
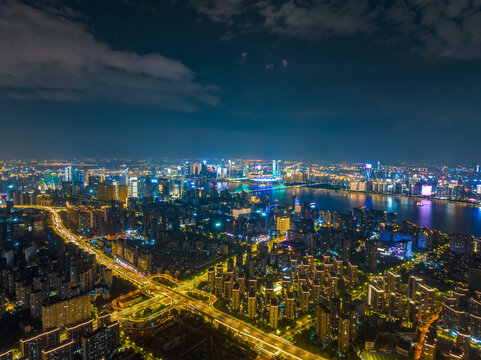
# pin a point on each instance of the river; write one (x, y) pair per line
(446, 216)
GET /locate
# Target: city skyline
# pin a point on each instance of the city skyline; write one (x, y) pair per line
(314, 80)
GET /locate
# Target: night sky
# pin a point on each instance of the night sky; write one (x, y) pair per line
(328, 80)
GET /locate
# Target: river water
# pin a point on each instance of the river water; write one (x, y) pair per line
(448, 217)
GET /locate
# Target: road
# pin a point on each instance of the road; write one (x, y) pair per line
(259, 339)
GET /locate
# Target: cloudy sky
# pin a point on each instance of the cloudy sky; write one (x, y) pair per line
(332, 80)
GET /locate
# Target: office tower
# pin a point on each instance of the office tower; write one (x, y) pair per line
(32, 347)
(375, 298)
(211, 280)
(290, 306)
(68, 174)
(283, 224)
(63, 351)
(77, 331)
(100, 343)
(269, 294)
(125, 177)
(273, 313)
(66, 312)
(252, 305)
(304, 299)
(323, 323)
(343, 337)
(236, 296)
(134, 187)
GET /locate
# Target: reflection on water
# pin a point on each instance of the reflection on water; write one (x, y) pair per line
(444, 216)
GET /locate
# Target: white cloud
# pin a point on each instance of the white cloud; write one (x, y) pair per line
(440, 28)
(49, 54)
(316, 19)
(284, 62)
(219, 10)
(269, 66)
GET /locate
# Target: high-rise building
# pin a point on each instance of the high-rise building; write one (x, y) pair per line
(134, 187)
(100, 343)
(242, 283)
(236, 296)
(304, 299)
(66, 312)
(63, 351)
(344, 335)
(375, 298)
(429, 349)
(31, 348)
(323, 323)
(290, 306)
(219, 285)
(283, 224)
(371, 255)
(122, 193)
(352, 274)
(68, 174)
(6, 355)
(252, 305)
(315, 292)
(269, 294)
(77, 331)
(414, 282)
(125, 177)
(106, 192)
(393, 282)
(273, 313)
(253, 284)
(228, 287)
(211, 280)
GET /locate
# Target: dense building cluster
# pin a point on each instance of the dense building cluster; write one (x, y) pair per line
(343, 281)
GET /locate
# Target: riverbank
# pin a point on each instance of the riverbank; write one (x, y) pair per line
(399, 196)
